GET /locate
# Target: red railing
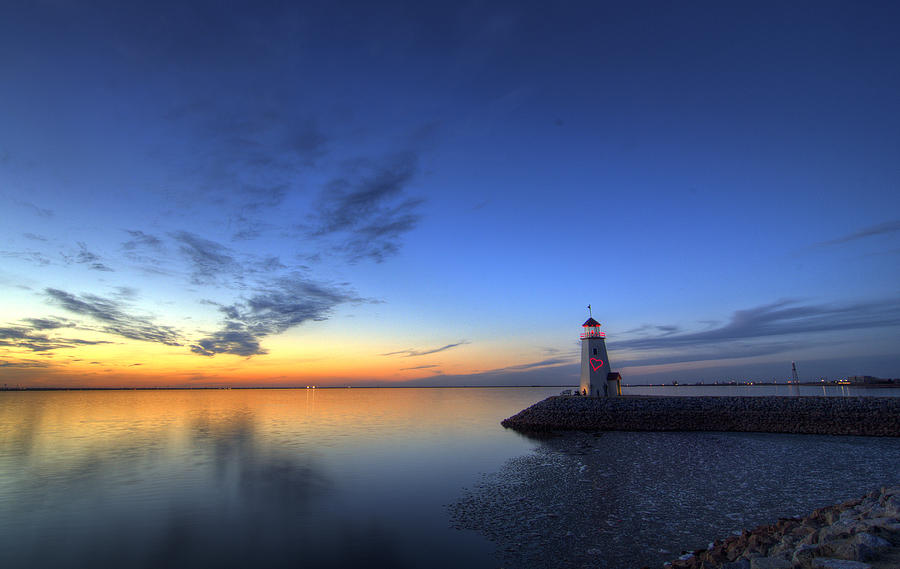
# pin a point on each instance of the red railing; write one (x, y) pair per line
(593, 334)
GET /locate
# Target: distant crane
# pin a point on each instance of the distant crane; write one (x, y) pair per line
(795, 379)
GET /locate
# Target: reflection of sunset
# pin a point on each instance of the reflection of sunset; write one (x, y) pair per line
(182, 478)
(51, 426)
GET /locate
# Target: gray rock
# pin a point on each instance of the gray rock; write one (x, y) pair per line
(872, 510)
(861, 547)
(769, 563)
(781, 548)
(739, 564)
(870, 540)
(828, 563)
(892, 506)
(805, 553)
(880, 525)
(841, 529)
(869, 545)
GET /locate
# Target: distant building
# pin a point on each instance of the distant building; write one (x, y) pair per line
(866, 379)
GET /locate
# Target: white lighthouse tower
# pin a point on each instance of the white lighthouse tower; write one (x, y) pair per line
(596, 378)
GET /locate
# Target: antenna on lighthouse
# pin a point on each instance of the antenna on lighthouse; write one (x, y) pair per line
(591, 314)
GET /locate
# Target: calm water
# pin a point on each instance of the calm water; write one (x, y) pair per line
(239, 478)
(311, 478)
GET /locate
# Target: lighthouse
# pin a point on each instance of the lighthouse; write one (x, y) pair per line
(596, 378)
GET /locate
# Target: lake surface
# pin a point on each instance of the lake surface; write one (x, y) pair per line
(240, 478)
(357, 477)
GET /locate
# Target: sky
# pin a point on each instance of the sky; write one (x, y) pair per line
(431, 193)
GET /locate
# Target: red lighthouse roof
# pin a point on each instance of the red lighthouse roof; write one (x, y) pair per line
(590, 322)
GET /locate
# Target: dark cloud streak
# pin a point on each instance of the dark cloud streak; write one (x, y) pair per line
(30, 339)
(885, 228)
(92, 260)
(414, 353)
(113, 317)
(779, 319)
(141, 239)
(539, 364)
(367, 207)
(285, 303)
(48, 323)
(39, 211)
(208, 259)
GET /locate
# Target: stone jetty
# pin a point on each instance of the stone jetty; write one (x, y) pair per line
(865, 416)
(858, 534)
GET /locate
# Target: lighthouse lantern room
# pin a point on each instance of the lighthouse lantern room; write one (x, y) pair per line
(596, 377)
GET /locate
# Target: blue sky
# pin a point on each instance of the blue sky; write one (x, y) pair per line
(280, 193)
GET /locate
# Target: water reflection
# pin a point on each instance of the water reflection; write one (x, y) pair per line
(241, 478)
(159, 492)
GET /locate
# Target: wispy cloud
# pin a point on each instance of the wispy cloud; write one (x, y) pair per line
(712, 352)
(37, 210)
(86, 257)
(208, 259)
(538, 364)
(285, 303)
(259, 140)
(234, 338)
(141, 239)
(29, 339)
(413, 352)
(259, 197)
(48, 323)
(879, 229)
(550, 371)
(24, 364)
(426, 366)
(251, 156)
(148, 251)
(32, 256)
(761, 330)
(781, 318)
(650, 328)
(113, 317)
(367, 208)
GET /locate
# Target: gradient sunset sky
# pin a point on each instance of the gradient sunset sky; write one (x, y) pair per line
(293, 193)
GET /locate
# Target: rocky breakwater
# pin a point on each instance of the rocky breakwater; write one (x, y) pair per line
(866, 416)
(859, 534)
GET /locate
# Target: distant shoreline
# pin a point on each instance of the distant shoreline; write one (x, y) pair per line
(769, 384)
(201, 388)
(225, 388)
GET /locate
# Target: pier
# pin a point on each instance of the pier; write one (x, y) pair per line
(863, 416)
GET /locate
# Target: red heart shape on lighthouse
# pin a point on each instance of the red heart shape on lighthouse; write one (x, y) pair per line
(598, 365)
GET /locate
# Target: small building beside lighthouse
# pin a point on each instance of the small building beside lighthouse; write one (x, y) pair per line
(597, 380)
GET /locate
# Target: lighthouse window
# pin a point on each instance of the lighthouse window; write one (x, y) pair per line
(595, 351)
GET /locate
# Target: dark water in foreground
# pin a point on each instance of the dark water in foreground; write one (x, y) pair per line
(241, 478)
(364, 477)
(625, 500)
